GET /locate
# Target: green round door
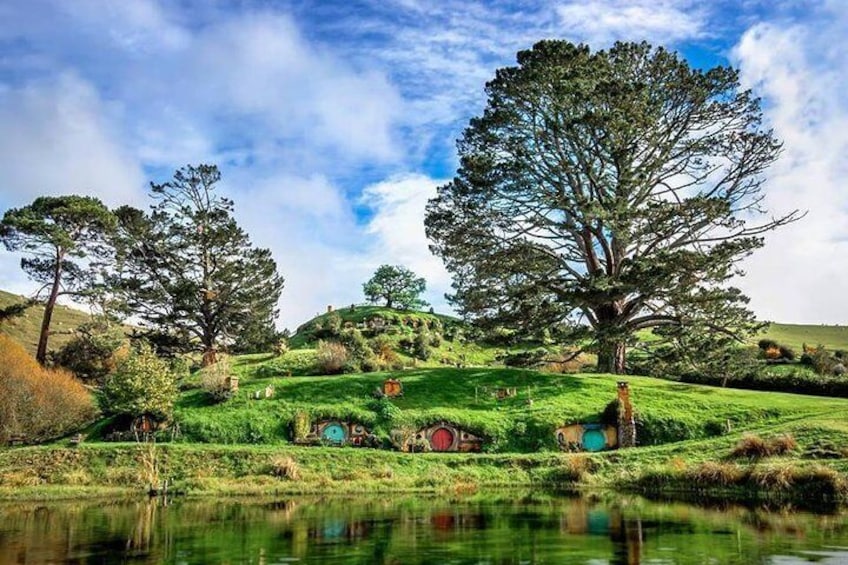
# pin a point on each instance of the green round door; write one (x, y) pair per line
(594, 440)
(334, 433)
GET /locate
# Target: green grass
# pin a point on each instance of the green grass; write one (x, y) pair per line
(27, 327)
(795, 335)
(667, 411)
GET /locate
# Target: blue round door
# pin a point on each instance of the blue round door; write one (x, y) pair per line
(334, 433)
(594, 440)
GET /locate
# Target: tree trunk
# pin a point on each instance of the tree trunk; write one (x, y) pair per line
(389, 302)
(611, 357)
(41, 352)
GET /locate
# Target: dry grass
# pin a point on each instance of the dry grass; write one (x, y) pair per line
(754, 447)
(37, 403)
(285, 467)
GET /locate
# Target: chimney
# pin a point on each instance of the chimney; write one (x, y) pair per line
(329, 308)
(626, 421)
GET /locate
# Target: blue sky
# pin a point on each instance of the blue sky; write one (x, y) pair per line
(333, 122)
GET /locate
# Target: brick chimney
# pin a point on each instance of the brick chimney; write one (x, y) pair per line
(626, 422)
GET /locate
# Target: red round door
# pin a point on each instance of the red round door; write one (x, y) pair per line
(441, 440)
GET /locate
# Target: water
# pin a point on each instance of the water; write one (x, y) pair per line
(390, 529)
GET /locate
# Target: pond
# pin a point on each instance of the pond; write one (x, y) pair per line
(392, 529)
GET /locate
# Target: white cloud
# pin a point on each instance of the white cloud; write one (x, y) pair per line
(397, 231)
(658, 21)
(56, 138)
(801, 71)
(311, 230)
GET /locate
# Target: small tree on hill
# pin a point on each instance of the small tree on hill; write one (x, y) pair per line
(63, 236)
(397, 286)
(143, 384)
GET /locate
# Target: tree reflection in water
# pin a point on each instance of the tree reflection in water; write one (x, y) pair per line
(500, 528)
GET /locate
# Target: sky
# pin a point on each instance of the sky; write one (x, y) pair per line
(333, 122)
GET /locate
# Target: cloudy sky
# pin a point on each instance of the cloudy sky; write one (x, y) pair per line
(334, 121)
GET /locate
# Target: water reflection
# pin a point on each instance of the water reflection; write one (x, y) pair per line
(500, 529)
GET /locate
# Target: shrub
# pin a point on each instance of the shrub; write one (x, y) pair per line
(281, 347)
(766, 344)
(215, 380)
(786, 353)
(93, 353)
(38, 403)
(421, 346)
(143, 384)
(331, 357)
(355, 343)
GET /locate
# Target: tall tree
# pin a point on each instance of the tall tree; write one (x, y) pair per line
(614, 190)
(397, 285)
(189, 272)
(64, 236)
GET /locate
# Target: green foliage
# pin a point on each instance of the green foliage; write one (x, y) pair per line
(93, 352)
(143, 384)
(65, 240)
(397, 285)
(215, 380)
(617, 186)
(526, 359)
(190, 273)
(331, 358)
(421, 345)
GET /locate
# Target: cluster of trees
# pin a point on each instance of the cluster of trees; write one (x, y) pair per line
(184, 272)
(599, 194)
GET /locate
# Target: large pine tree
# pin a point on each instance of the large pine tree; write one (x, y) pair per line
(618, 188)
(189, 272)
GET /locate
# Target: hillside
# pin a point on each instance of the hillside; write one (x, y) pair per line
(795, 335)
(452, 341)
(27, 327)
(668, 412)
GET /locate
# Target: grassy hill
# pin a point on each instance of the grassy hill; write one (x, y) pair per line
(667, 411)
(455, 342)
(794, 335)
(687, 435)
(27, 327)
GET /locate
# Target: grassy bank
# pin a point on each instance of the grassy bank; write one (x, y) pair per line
(811, 473)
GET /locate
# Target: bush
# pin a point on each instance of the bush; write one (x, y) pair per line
(37, 403)
(215, 380)
(786, 353)
(331, 357)
(766, 344)
(421, 346)
(93, 353)
(143, 384)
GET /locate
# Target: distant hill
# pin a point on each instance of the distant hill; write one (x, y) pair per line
(363, 315)
(27, 327)
(795, 335)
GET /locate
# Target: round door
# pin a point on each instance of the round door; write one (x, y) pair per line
(334, 433)
(442, 439)
(594, 440)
